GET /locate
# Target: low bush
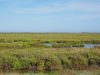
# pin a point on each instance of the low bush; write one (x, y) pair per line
(39, 60)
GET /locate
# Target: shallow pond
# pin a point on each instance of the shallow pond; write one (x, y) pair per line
(85, 45)
(48, 44)
(91, 45)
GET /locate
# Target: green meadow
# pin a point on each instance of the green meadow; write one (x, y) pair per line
(49, 53)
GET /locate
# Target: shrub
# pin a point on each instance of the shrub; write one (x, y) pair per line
(94, 61)
(65, 61)
(53, 63)
(78, 62)
(40, 65)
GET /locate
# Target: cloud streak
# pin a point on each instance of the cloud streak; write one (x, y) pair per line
(52, 7)
(62, 7)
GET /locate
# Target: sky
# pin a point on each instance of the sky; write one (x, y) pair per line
(49, 15)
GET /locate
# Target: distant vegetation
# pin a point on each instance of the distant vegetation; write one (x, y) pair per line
(24, 40)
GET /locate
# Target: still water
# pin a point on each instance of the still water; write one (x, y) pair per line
(91, 45)
(85, 45)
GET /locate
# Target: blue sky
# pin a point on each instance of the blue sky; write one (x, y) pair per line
(49, 15)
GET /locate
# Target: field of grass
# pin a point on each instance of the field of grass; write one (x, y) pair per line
(58, 40)
(51, 37)
(28, 52)
(49, 59)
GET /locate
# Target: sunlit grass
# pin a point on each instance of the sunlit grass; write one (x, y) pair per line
(27, 52)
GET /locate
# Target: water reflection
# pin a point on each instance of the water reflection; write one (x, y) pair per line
(91, 45)
(84, 46)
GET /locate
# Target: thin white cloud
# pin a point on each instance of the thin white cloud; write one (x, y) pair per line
(64, 7)
(87, 10)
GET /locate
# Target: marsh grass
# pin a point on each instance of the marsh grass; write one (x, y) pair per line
(59, 40)
(48, 59)
(27, 52)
